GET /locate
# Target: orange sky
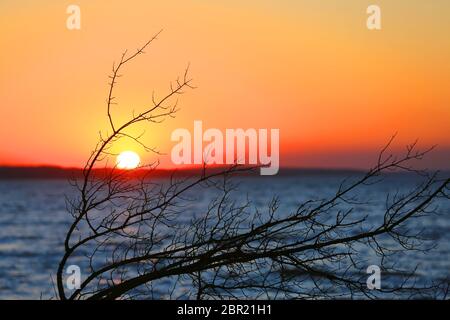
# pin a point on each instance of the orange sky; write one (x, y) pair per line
(336, 90)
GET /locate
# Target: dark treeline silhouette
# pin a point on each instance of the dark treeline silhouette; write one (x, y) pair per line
(53, 172)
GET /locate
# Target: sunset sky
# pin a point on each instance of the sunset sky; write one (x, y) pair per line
(336, 90)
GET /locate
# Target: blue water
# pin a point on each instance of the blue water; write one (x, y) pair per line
(33, 222)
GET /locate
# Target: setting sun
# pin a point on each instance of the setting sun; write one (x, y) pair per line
(128, 160)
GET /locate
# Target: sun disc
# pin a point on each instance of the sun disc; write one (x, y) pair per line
(128, 160)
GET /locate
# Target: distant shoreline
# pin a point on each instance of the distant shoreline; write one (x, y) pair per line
(60, 173)
(53, 172)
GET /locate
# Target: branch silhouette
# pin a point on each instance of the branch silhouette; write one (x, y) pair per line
(132, 232)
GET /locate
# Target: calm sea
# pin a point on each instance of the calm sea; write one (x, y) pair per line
(33, 222)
